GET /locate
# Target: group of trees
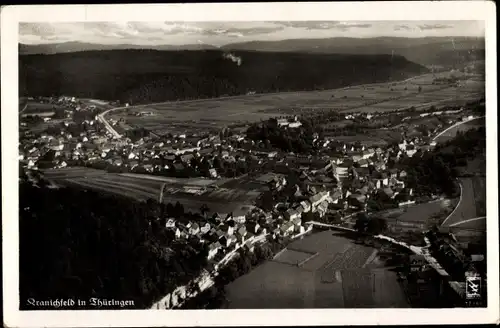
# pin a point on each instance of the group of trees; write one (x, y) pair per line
(298, 140)
(435, 172)
(370, 225)
(177, 75)
(84, 244)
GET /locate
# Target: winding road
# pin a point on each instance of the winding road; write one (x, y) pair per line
(454, 126)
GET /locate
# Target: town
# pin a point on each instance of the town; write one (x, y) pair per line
(294, 191)
(253, 165)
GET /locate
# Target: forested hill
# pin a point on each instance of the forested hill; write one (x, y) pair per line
(449, 52)
(143, 76)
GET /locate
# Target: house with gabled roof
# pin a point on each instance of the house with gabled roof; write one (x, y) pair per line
(252, 227)
(213, 248)
(306, 205)
(225, 240)
(205, 228)
(287, 228)
(227, 229)
(291, 214)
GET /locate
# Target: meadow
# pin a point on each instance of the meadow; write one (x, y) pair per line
(334, 278)
(189, 115)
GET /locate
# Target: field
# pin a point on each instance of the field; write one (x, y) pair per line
(418, 216)
(38, 108)
(191, 193)
(218, 112)
(473, 201)
(407, 224)
(374, 138)
(323, 270)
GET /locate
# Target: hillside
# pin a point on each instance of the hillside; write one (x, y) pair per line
(444, 51)
(142, 76)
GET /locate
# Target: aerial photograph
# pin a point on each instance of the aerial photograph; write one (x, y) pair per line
(252, 165)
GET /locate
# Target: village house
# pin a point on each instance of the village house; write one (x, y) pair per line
(388, 192)
(213, 249)
(357, 200)
(316, 199)
(241, 231)
(178, 233)
(297, 222)
(402, 146)
(226, 229)
(294, 125)
(249, 246)
(194, 229)
(252, 227)
(363, 163)
(306, 205)
(133, 164)
(213, 173)
(225, 240)
(322, 208)
(282, 122)
(287, 228)
(291, 214)
(205, 228)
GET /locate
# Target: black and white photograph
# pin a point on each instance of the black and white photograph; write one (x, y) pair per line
(215, 160)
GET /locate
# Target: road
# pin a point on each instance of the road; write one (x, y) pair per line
(455, 125)
(460, 223)
(24, 108)
(108, 126)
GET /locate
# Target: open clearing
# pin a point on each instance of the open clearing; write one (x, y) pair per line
(334, 278)
(191, 193)
(193, 114)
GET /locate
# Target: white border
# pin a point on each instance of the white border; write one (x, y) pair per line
(446, 10)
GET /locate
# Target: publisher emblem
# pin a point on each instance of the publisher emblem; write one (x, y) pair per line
(472, 287)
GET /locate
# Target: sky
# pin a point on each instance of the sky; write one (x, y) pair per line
(221, 33)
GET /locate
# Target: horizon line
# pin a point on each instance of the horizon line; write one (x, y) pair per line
(254, 41)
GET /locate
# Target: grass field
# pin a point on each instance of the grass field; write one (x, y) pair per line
(143, 187)
(219, 112)
(334, 278)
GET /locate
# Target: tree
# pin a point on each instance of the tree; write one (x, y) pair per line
(178, 209)
(376, 226)
(361, 222)
(204, 209)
